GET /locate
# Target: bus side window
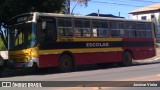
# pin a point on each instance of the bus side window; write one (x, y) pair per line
(78, 27)
(46, 33)
(117, 29)
(82, 28)
(78, 32)
(141, 30)
(149, 30)
(86, 33)
(49, 31)
(100, 28)
(40, 34)
(86, 28)
(121, 27)
(130, 29)
(65, 27)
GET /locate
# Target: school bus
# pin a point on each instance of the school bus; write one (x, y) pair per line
(58, 40)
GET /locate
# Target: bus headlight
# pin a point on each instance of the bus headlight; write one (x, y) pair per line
(26, 59)
(33, 53)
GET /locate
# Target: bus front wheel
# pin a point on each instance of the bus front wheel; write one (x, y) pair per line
(127, 59)
(66, 63)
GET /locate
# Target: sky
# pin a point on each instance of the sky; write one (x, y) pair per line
(112, 7)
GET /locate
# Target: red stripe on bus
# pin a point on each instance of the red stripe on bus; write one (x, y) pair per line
(83, 58)
(48, 60)
(141, 52)
(92, 58)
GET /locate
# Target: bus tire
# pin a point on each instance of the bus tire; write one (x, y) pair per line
(126, 59)
(66, 63)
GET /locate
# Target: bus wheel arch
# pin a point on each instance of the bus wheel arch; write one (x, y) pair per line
(127, 50)
(66, 62)
(127, 58)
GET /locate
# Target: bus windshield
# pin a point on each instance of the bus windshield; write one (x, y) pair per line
(22, 36)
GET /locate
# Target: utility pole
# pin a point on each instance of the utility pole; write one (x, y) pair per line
(119, 14)
(98, 12)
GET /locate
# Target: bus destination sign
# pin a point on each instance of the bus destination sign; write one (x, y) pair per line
(22, 18)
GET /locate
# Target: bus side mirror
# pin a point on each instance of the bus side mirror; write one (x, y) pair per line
(43, 25)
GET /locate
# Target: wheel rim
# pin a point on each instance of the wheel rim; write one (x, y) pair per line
(66, 63)
(127, 59)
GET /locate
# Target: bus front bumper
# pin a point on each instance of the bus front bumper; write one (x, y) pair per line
(12, 65)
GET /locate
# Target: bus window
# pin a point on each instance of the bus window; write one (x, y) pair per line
(95, 28)
(100, 28)
(149, 30)
(117, 29)
(141, 30)
(46, 32)
(130, 29)
(86, 33)
(78, 32)
(49, 31)
(78, 27)
(121, 28)
(65, 27)
(82, 28)
(86, 23)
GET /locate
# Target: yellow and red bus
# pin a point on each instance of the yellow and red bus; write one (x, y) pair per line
(57, 40)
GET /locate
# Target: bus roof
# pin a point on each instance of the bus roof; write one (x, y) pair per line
(80, 16)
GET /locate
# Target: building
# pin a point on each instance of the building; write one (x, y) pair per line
(149, 13)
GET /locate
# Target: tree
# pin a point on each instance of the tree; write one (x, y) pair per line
(79, 2)
(11, 8)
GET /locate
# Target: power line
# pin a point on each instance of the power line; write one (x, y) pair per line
(123, 4)
(134, 1)
(144, 1)
(117, 3)
(128, 2)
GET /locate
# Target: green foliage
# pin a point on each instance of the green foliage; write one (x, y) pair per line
(2, 46)
(10, 8)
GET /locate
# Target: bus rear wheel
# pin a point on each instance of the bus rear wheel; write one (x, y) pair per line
(127, 59)
(66, 63)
